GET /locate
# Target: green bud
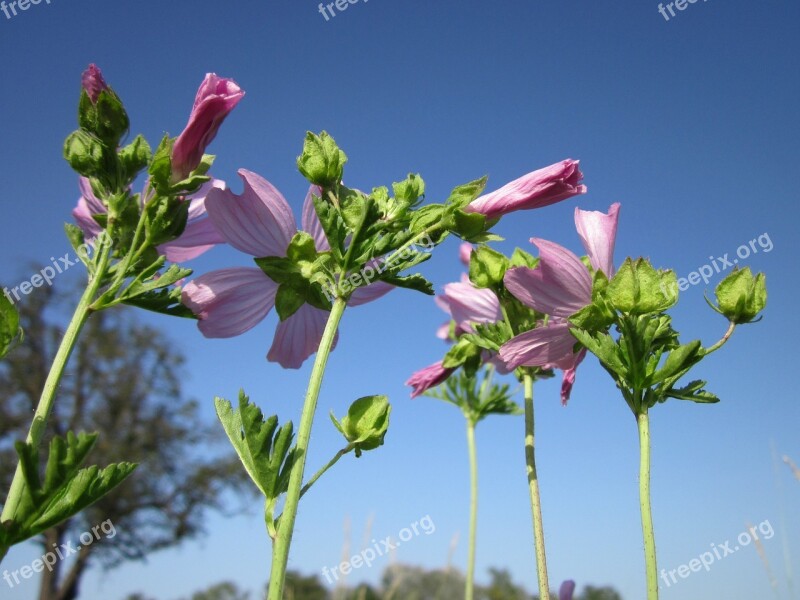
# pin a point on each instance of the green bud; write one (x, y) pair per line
(322, 162)
(487, 267)
(135, 156)
(84, 153)
(366, 422)
(741, 296)
(639, 289)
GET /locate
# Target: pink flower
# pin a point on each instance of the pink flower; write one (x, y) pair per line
(215, 99)
(229, 302)
(534, 190)
(567, 590)
(198, 236)
(560, 286)
(93, 82)
(427, 378)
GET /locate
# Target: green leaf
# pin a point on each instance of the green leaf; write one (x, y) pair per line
(412, 282)
(604, 348)
(288, 301)
(261, 446)
(410, 190)
(301, 247)
(67, 488)
(462, 195)
(694, 392)
(9, 325)
(166, 301)
(468, 226)
(161, 166)
(520, 258)
(426, 217)
(460, 353)
(679, 361)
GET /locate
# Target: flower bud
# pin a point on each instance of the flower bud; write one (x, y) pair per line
(215, 99)
(93, 82)
(639, 289)
(741, 296)
(366, 423)
(322, 162)
(84, 153)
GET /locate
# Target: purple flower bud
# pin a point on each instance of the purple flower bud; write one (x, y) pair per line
(93, 82)
(215, 99)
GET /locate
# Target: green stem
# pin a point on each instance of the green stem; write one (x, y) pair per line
(651, 568)
(347, 449)
(473, 510)
(280, 553)
(47, 399)
(533, 483)
(724, 339)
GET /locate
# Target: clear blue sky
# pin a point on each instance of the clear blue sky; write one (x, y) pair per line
(690, 123)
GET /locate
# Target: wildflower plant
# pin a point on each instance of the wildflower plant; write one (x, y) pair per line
(124, 240)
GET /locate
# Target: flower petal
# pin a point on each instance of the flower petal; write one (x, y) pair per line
(598, 232)
(567, 590)
(298, 337)
(469, 304)
(465, 253)
(370, 292)
(229, 302)
(570, 369)
(540, 347)
(560, 285)
(310, 221)
(198, 237)
(88, 205)
(259, 222)
(426, 378)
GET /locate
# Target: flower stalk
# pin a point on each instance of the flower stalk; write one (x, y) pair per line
(283, 539)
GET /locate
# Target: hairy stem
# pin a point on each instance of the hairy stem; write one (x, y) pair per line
(283, 540)
(533, 483)
(651, 568)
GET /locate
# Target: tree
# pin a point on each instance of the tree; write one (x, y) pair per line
(222, 591)
(124, 381)
(304, 587)
(603, 593)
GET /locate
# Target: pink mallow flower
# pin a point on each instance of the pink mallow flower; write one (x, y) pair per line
(215, 99)
(229, 302)
(534, 190)
(466, 305)
(567, 590)
(560, 286)
(428, 378)
(198, 236)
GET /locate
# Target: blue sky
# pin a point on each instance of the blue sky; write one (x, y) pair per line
(690, 123)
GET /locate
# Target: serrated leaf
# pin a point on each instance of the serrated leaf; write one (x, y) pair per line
(9, 325)
(262, 452)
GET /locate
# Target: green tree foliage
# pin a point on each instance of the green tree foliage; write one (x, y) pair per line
(124, 380)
